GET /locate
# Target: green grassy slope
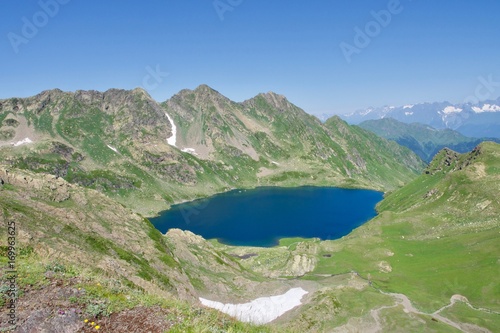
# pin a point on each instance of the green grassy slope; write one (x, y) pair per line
(382, 161)
(77, 249)
(435, 237)
(271, 141)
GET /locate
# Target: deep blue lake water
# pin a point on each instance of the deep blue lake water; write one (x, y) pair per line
(262, 216)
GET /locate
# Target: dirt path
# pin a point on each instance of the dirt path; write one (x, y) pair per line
(404, 301)
(375, 315)
(459, 298)
(409, 308)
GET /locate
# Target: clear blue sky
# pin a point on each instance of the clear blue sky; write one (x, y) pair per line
(430, 51)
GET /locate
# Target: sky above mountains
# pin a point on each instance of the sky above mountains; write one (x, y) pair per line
(325, 56)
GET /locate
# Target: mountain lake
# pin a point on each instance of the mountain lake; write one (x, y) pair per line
(262, 216)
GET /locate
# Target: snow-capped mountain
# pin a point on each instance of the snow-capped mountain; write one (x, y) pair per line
(475, 120)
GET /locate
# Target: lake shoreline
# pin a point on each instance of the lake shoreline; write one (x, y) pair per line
(156, 213)
(329, 212)
(175, 203)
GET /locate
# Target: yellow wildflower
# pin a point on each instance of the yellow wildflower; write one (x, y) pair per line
(97, 327)
(86, 321)
(92, 323)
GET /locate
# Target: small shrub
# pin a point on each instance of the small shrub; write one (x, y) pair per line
(55, 267)
(3, 294)
(97, 309)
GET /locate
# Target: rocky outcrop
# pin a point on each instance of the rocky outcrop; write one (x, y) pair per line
(65, 151)
(444, 160)
(449, 160)
(48, 186)
(301, 265)
(90, 230)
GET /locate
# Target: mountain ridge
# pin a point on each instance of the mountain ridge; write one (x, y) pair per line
(122, 142)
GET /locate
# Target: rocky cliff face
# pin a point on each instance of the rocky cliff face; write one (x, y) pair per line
(113, 141)
(47, 186)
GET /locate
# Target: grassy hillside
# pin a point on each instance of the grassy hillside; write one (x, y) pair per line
(380, 160)
(434, 238)
(271, 141)
(82, 256)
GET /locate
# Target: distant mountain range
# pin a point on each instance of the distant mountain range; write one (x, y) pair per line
(424, 140)
(473, 120)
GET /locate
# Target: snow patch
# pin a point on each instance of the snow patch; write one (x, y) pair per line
(408, 113)
(486, 108)
(191, 151)
(276, 163)
(112, 148)
(261, 310)
(451, 109)
(22, 142)
(408, 106)
(367, 111)
(172, 140)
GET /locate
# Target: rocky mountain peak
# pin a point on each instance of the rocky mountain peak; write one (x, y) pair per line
(139, 90)
(49, 93)
(201, 98)
(204, 88)
(275, 99)
(203, 93)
